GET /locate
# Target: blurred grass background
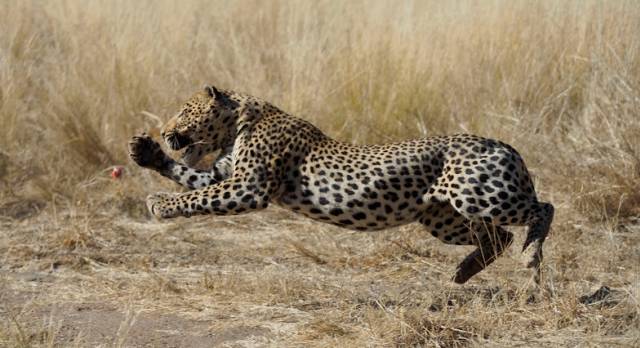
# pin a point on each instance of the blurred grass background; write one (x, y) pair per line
(559, 80)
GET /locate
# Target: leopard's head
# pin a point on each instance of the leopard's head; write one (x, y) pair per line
(207, 118)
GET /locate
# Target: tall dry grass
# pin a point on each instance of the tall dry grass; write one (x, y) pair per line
(560, 80)
(557, 79)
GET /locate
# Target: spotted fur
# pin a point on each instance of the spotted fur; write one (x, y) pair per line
(462, 188)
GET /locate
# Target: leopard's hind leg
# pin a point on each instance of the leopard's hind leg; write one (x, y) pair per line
(447, 224)
(491, 245)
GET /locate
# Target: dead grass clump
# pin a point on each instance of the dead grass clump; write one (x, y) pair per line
(24, 335)
(424, 331)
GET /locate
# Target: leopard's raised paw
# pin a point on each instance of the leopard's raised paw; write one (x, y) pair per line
(146, 152)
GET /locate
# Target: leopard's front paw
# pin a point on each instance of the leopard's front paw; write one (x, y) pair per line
(147, 153)
(162, 206)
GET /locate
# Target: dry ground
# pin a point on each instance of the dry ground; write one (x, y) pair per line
(275, 279)
(83, 264)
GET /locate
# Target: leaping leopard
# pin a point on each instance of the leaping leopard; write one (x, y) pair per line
(462, 188)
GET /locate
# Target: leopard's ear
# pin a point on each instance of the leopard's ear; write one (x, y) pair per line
(212, 91)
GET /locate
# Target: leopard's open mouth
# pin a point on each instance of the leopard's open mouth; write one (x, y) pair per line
(177, 141)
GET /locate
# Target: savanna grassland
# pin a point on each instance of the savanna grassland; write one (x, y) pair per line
(82, 263)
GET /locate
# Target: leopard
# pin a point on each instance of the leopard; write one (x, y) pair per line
(464, 189)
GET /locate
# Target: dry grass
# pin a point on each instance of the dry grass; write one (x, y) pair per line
(559, 80)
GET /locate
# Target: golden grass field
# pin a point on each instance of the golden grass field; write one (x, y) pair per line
(83, 264)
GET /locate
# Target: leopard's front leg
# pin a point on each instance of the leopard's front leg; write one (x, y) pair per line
(147, 153)
(230, 197)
